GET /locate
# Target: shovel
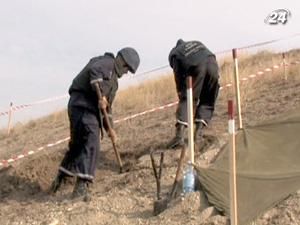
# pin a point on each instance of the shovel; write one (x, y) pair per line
(161, 204)
(109, 128)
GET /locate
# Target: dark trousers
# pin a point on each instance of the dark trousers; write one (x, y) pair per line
(84, 145)
(205, 92)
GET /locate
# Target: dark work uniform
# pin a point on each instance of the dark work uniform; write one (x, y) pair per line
(84, 117)
(194, 59)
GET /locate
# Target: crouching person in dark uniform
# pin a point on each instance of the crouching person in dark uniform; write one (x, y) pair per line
(85, 122)
(194, 59)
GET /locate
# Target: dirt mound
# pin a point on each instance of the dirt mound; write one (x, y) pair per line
(29, 177)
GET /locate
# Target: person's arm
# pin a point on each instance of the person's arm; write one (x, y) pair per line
(173, 62)
(177, 82)
(98, 75)
(111, 133)
(105, 111)
(179, 79)
(103, 80)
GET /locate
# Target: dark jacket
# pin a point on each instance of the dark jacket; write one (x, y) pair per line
(82, 93)
(186, 55)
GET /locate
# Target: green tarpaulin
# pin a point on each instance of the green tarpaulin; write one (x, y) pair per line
(268, 168)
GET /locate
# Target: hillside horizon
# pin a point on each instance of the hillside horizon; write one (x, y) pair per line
(267, 90)
(39, 110)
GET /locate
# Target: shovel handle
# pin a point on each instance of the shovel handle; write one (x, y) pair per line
(112, 140)
(157, 175)
(109, 128)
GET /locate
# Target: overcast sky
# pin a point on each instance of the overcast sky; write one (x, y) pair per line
(45, 43)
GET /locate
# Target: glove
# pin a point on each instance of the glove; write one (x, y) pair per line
(103, 103)
(112, 134)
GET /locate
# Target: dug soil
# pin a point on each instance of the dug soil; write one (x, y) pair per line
(128, 198)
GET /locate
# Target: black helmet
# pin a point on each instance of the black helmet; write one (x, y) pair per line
(179, 42)
(131, 58)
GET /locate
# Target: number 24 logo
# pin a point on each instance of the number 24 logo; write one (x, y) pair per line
(278, 16)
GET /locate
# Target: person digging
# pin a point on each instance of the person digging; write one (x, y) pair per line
(86, 118)
(195, 59)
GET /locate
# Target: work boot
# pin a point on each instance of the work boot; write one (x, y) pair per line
(57, 182)
(198, 133)
(81, 189)
(202, 142)
(178, 140)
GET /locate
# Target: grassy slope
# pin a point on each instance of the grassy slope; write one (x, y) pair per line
(128, 198)
(150, 94)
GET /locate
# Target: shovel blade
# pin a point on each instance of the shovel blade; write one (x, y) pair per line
(160, 206)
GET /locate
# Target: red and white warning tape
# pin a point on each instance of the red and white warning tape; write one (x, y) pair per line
(269, 69)
(19, 107)
(5, 163)
(15, 108)
(23, 106)
(147, 111)
(262, 72)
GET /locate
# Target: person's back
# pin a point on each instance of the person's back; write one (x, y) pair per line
(192, 58)
(188, 54)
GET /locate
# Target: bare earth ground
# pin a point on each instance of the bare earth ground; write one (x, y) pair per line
(128, 198)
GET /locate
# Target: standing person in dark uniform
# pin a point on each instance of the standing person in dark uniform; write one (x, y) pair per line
(85, 121)
(194, 59)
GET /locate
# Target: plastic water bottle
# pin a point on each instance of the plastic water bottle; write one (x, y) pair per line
(188, 184)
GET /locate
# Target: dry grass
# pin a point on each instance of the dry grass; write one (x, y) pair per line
(162, 91)
(34, 134)
(146, 96)
(251, 64)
